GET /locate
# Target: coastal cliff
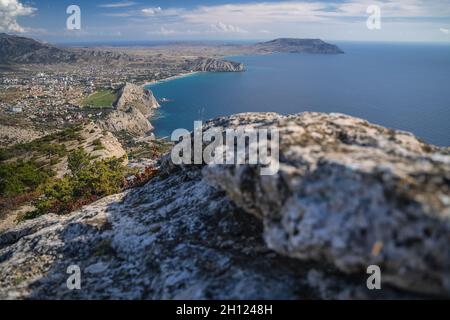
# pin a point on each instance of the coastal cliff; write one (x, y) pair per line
(349, 194)
(132, 110)
(214, 65)
(133, 96)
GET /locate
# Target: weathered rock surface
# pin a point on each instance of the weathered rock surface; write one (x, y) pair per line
(348, 194)
(351, 194)
(132, 110)
(214, 65)
(131, 121)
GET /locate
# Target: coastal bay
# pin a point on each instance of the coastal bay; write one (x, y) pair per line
(359, 82)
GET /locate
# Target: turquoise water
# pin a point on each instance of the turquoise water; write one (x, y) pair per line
(401, 86)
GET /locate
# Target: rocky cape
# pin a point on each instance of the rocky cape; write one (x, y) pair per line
(214, 65)
(348, 194)
(131, 111)
(292, 45)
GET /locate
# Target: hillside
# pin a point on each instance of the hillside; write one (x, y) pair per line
(14, 49)
(21, 50)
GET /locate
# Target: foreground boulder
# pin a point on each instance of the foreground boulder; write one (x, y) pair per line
(348, 194)
(351, 194)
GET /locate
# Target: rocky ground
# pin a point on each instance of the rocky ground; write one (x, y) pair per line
(13, 134)
(348, 194)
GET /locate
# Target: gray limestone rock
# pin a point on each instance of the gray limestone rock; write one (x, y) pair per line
(348, 194)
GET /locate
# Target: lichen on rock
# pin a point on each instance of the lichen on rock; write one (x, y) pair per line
(351, 194)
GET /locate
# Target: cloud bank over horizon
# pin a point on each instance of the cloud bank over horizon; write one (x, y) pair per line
(402, 20)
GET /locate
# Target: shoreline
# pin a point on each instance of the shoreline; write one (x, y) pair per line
(179, 76)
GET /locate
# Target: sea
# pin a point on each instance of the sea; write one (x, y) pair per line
(403, 86)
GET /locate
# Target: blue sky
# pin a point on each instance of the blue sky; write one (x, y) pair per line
(127, 20)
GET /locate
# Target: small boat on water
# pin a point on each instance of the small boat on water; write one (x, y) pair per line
(163, 100)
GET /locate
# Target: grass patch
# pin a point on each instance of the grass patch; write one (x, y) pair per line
(101, 99)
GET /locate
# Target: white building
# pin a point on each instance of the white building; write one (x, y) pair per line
(17, 109)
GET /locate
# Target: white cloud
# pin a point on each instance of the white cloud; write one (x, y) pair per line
(10, 10)
(444, 30)
(165, 31)
(313, 11)
(122, 4)
(252, 13)
(222, 27)
(118, 14)
(257, 15)
(415, 20)
(151, 11)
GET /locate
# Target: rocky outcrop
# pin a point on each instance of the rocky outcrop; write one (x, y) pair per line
(214, 65)
(289, 45)
(348, 194)
(136, 97)
(131, 121)
(132, 110)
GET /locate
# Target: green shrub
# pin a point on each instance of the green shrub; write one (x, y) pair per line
(101, 178)
(3, 154)
(87, 182)
(77, 160)
(97, 143)
(21, 177)
(57, 197)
